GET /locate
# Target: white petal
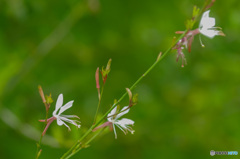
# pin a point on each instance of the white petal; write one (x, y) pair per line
(58, 104)
(206, 21)
(122, 113)
(209, 33)
(206, 14)
(74, 122)
(65, 107)
(59, 122)
(70, 116)
(123, 122)
(112, 113)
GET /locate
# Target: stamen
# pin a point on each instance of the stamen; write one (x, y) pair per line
(221, 33)
(200, 39)
(215, 28)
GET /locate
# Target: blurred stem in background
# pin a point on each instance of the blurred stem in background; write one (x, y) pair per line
(80, 10)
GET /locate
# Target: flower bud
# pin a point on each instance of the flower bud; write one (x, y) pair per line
(97, 82)
(106, 71)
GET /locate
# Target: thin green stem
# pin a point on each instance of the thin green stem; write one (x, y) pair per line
(70, 152)
(81, 146)
(140, 78)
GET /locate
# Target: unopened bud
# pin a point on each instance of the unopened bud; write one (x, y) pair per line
(196, 11)
(97, 82)
(106, 71)
(109, 65)
(41, 94)
(129, 94)
(39, 153)
(49, 99)
(135, 99)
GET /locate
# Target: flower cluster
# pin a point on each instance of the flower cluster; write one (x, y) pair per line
(206, 28)
(113, 115)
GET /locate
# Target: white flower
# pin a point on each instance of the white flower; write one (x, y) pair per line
(60, 109)
(122, 124)
(207, 24)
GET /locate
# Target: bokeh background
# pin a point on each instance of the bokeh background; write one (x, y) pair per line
(182, 112)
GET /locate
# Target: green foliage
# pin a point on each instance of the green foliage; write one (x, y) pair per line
(49, 99)
(190, 22)
(135, 99)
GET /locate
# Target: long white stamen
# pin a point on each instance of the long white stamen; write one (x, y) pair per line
(200, 39)
(114, 131)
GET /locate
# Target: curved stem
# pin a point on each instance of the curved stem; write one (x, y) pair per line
(73, 150)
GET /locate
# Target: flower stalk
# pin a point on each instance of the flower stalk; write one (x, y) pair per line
(47, 106)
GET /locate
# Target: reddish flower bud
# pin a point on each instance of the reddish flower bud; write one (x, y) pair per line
(97, 82)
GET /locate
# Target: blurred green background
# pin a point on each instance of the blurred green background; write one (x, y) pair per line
(182, 112)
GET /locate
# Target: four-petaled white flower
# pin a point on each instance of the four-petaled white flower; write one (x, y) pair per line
(57, 115)
(122, 124)
(207, 24)
(60, 109)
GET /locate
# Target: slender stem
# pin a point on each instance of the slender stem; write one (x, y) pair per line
(70, 152)
(94, 136)
(40, 140)
(140, 78)
(99, 102)
(85, 144)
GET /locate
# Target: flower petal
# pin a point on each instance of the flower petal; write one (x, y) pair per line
(74, 122)
(123, 122)
(65, 107)
(206, 21)
(70, 116)
(209, 33)
(59, 122)
(58, 104)
(124, 112)
(112, 113)
(124, 125)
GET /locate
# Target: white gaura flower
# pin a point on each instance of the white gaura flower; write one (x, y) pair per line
(207, 26)
(61, 119)
(59, 109)
(122, 124)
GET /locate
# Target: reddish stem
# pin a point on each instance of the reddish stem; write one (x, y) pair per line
(108, 123)
(49, 121)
